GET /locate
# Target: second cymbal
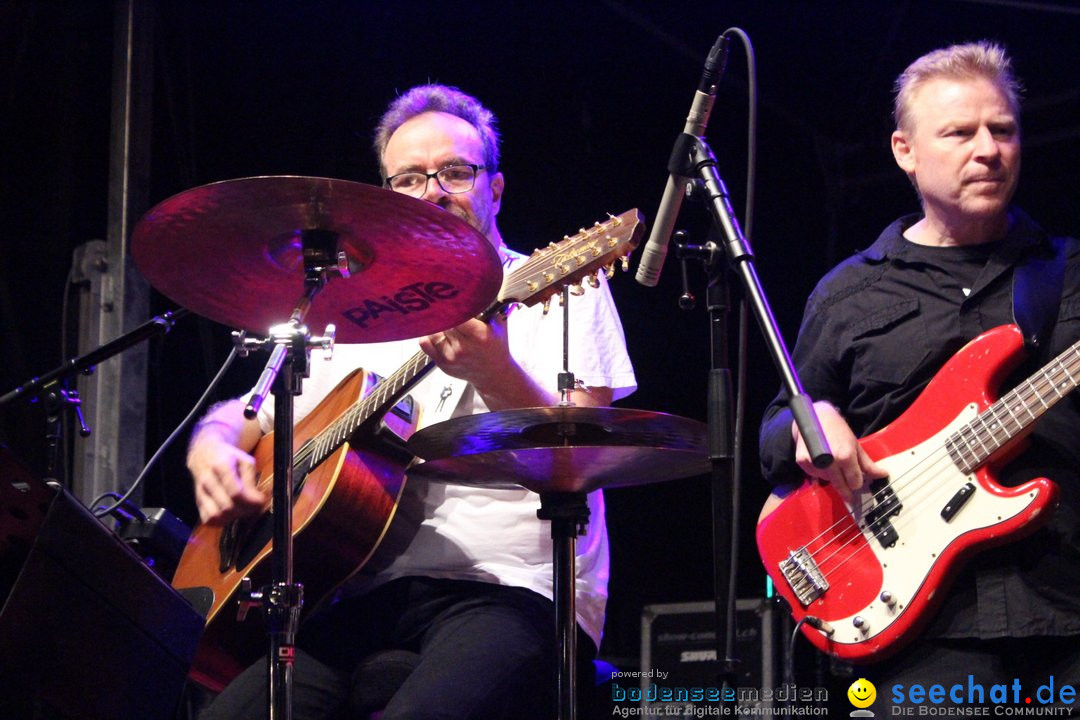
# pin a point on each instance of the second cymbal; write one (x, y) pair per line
(561, 449)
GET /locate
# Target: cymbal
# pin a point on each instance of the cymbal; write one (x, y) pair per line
(560, 449)
(231, 251)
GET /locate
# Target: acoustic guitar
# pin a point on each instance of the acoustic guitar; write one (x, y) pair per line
(346, 486)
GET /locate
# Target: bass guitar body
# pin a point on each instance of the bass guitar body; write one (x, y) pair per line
(868, 575)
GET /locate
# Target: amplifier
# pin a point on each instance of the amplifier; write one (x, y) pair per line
(678, 657)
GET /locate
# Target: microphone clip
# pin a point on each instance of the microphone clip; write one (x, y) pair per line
(681, 163)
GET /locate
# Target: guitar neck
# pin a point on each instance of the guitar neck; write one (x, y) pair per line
(1009, 417)
(389, 391)
(386, 393)
(536, 279)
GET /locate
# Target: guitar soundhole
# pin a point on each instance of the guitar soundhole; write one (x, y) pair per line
(258, 536)
(227, 546)
(260, 532)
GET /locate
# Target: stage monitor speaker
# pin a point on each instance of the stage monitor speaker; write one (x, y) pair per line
(87, 630)
(678, 658)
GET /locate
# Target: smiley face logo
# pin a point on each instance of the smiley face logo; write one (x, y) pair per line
(862, 693)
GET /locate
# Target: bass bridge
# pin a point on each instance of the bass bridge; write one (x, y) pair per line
(803, 575)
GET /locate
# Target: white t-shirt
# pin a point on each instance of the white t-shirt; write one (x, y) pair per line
(493, 535)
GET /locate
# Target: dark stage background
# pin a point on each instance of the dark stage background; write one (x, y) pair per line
(590, 95)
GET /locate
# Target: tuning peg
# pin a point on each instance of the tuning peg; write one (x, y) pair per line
(576, 289)
(547, 305)
(625, 262)
(594, 282)
(609, 270)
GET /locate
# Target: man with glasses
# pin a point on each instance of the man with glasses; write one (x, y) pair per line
(469, 591)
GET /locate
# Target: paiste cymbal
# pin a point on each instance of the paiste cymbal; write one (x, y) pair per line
(231, 251)
(560, 449)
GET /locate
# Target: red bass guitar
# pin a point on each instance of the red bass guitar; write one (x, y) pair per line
(872, 572)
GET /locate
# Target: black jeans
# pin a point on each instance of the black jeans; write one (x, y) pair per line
(485, 651)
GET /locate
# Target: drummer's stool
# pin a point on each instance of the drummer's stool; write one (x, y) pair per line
(381, 674)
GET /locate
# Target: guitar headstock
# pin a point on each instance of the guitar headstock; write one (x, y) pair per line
(573, 259)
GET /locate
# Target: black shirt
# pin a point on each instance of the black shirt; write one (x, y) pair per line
(875, 331)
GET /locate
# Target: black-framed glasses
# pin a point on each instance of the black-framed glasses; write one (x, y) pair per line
(452, 179)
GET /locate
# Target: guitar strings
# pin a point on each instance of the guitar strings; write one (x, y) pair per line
(994, 410)
(914, 503)
(979, 427)
(320, 445)
(1023, 395)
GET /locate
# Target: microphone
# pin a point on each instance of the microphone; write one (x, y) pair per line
(652, 257)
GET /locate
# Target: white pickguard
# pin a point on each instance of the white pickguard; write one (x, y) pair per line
(924, 480)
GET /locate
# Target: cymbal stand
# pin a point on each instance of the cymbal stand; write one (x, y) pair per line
(569, 516)
(283, 376)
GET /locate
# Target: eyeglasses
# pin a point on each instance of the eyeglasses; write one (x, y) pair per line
(452, 178)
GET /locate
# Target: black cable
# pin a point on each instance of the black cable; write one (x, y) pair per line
(175, 433)
(122, 509)
(741, 360)
(789, 660)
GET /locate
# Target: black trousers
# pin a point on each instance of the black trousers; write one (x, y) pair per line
(485, 651)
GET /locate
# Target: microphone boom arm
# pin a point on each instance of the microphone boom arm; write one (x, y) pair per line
(700, 156)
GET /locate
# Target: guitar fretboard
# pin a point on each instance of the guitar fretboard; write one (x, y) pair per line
(385, 394)
(536, 278)
(977, 441)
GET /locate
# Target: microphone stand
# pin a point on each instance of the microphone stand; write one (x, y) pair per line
(54, 386)
(693, 158)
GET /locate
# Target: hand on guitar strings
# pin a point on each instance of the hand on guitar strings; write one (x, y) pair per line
(851, 469)
(224, 474)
